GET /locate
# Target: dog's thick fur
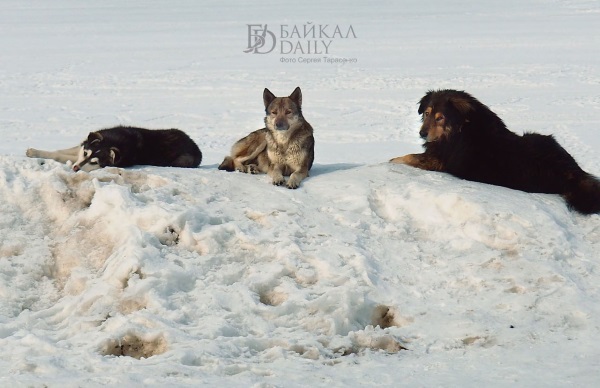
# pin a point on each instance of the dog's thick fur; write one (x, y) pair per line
(128, 146)
(285, 147)
(465, 138)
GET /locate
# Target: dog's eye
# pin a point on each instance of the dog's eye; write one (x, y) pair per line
(438, 119)
(274, 112)
(425, 114)
(287, 112)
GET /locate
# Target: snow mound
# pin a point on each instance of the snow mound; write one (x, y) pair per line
(227, 274)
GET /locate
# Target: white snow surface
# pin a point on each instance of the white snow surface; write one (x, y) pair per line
(369, 274)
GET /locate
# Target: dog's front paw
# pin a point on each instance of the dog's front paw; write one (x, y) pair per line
(293, 183)
(399, 160)
(31, 153)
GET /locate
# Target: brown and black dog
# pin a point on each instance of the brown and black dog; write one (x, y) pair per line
(465, 138)
(284, 147)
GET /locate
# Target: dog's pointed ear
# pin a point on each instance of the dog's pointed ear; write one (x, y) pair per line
(115, 155)
(296, 96)
(462, 104)
(94, 137)
(424, 103)
(268, 97)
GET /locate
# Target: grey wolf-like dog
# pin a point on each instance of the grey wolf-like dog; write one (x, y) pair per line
(285, 147)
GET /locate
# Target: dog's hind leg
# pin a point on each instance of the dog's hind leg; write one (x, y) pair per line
(230, 164)
(61, 156)
(260, 165)
(244, 163)
(240, 161)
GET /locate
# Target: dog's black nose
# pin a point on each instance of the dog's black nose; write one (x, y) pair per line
(423, 133)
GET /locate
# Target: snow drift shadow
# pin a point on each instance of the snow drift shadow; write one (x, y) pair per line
(322, 169)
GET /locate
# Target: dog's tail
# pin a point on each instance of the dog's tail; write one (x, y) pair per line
(227, 164)
(584, 195)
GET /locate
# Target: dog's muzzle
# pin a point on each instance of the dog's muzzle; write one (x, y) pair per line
(77, 166)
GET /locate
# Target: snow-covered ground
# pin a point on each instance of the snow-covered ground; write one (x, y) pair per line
(369, 274)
